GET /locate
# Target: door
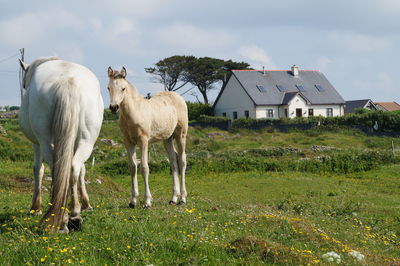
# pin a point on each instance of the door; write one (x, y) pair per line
(299, 112)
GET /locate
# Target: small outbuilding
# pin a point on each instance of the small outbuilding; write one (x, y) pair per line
(351, 106)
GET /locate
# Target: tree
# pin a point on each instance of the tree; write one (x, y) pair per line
(231, 65)
(204, 73)
(170, 71)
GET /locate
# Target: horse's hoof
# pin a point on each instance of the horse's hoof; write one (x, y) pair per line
(132, 205)
(147, 206)
(75, 224)
(87, 208)
(181, 202)
(171, 202)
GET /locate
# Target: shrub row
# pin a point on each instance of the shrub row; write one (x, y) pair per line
(385, 121)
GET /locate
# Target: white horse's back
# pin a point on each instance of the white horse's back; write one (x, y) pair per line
(62, 113)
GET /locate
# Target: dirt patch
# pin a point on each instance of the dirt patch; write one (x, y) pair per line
(268, 251)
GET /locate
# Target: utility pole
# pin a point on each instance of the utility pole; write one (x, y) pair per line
(21, 71)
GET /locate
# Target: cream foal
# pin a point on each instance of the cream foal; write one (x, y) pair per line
(164, 117)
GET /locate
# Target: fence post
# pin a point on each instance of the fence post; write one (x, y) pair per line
(393, 148)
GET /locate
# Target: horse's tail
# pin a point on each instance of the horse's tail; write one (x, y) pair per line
(65, 127)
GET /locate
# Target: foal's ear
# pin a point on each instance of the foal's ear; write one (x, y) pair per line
(123, 72)
(23, 65)
(110, 72)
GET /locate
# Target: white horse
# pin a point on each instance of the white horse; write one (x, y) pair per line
(61, 114)
(142, 121)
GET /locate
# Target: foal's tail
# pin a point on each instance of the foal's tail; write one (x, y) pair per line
(65, 127)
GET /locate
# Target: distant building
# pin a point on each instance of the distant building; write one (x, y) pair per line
(387, 106)
(278, 93)
(351, 106)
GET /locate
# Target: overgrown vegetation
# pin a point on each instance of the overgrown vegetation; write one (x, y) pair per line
(255, 197)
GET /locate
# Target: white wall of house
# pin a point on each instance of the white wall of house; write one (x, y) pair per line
(262, 111)
(297, 103)
(234, 99)
(337, 110)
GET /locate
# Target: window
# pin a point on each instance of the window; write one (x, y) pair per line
(299, 112)
(224, 114)
(281, 88)
(234, 115)
(246, 113)
(319, 88)
(261, 88)
(329, 112)
(286, 112)
(310, 112)
(300, 87)
(270, 113)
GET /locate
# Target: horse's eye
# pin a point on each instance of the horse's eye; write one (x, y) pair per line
(108, 88)
(123, 89)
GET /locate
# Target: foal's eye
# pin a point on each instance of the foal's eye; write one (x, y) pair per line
(123, 89)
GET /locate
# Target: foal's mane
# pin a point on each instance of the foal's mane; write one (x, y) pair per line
(32, 66)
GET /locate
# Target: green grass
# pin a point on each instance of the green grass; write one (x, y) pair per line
(237, 217)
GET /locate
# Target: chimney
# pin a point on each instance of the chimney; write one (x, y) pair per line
(295, 70)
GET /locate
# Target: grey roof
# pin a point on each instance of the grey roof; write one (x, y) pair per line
(288, 96)
(350, 106)
(250, 79)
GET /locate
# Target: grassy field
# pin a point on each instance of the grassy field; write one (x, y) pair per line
(254, 198)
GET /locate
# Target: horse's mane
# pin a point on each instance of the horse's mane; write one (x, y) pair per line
(32, 66)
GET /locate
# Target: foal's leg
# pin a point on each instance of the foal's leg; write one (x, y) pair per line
(133, 170)
(169, 147)
(82, 189)
(181, 143)
(38, 171)
(145, 172)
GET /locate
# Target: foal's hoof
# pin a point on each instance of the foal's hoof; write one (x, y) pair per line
(171, 202)
(132, 205)
(75, 224)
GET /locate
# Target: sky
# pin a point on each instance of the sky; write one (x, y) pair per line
(355, 43)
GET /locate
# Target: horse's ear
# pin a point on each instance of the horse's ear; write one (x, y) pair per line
(123, 72)
(110, 72)
(23, 65)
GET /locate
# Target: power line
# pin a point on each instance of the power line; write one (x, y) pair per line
(8, 58)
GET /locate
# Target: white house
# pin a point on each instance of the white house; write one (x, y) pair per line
(278, 93)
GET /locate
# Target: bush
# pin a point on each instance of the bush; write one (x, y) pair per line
(212, 119)
(386, 121)
(196, 110)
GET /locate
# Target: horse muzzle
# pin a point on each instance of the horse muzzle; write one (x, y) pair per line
(114, 108)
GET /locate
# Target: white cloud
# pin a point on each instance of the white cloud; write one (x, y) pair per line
(256, 57)
(134, 8)
(123, 26)
(188, 36)
(122, 34)
(31, 27)
(323, 63)
(72, 52)
(358, 43)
